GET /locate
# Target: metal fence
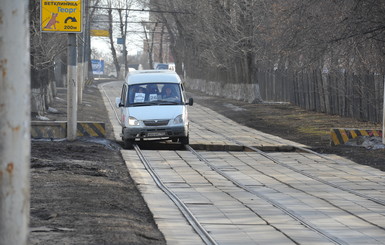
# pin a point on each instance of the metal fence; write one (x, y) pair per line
(358, 96)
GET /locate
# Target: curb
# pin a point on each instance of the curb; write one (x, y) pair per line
(339, 136)
(58, 129)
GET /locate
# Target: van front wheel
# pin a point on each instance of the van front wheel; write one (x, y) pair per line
(128, 144)
(184, 140)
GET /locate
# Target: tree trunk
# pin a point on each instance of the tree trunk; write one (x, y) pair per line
(113, 50)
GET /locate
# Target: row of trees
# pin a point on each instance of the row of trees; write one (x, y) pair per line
(232, 41)
(124, 23)
(237, 38)
(49, 50)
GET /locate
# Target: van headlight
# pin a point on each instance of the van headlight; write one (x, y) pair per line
(132, 121)
(178, 119)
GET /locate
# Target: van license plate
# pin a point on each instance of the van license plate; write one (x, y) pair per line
(156, 134)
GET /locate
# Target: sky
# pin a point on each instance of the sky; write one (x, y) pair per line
(102, 44)
(134, 39)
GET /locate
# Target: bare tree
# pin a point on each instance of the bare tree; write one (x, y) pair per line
(232, 41)
(149, 42)
(111, 38)
(342, 29)
(123, 12)
(45, 49)
(222, 37)
(118, 12)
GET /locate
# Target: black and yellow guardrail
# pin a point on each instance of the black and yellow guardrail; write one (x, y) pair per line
(58, 129)
(340, 136)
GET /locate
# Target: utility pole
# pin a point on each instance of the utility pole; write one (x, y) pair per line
(15, 121)
(71, 88)
(86, 40)
(383, 117)
(80, 72)
(124, 43)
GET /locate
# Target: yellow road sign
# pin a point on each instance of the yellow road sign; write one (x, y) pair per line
(61, 16)
(100, 33)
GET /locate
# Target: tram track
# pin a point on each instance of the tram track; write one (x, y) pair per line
(205, 235)
(311, 176)
(191, 219)
(266, 155)
(290, 213)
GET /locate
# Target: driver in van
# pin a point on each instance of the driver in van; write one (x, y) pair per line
(169, 94)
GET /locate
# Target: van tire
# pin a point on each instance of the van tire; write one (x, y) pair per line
(184, 140)
(128, 144)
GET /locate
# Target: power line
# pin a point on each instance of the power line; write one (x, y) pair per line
(143, 10)
(134, 31)
(130, 22)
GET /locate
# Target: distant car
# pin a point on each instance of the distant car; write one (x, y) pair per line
(161, 67)
(153, 106)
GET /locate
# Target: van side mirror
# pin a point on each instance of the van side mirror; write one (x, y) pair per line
(118, 103)
(190, 101)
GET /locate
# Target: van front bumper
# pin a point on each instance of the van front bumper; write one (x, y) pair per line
(155, 132)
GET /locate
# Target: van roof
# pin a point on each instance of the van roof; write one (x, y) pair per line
(152, 76)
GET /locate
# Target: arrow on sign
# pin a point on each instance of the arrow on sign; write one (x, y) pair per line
(72, 19)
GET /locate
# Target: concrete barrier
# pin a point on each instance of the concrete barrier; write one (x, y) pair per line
(339, 136)
(58, 129)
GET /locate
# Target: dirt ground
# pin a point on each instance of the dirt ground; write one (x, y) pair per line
(82, 193)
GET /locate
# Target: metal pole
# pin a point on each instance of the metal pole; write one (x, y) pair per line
(87, 45)
(383, 117)
(85, 41)
(71, 88)
(80, 74)
(15, 121)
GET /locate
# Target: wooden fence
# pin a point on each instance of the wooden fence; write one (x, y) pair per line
(338, 93)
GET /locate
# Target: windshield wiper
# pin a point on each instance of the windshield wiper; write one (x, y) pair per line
(168, 102)
(143, 103)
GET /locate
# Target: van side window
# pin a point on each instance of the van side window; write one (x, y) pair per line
(123, 95)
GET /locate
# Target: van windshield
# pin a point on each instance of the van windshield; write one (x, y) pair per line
(154, 94)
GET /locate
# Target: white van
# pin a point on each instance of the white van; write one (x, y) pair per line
(153, 106)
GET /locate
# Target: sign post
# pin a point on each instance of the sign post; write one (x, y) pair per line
(383, 116)
(72, 102)
(65, 16)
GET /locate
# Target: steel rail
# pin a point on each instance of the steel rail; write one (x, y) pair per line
(200, 230)
(196, 225)
(373, 199)
(291, 213)
(189, 216)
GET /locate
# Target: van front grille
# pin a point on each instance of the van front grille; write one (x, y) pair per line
(156, 122)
